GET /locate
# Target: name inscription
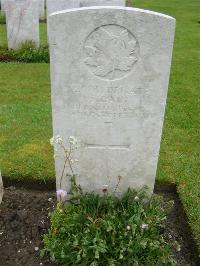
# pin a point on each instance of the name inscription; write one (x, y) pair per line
(111, 101)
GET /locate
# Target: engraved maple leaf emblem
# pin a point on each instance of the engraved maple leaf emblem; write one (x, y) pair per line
(108, 54)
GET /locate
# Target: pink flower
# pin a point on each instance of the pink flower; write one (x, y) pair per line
(61, 195)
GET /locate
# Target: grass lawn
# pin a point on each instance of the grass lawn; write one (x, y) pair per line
(25, 121)
(25, 112)
(180, 149)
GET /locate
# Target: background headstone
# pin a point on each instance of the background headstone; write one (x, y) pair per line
(85, 3)
(22, 21)
(58, 5)
(110, 69)
(41, 5)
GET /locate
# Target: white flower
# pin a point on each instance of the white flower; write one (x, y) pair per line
(128, 227)
(72, 140)
(52, 141)
(144, 226)
(73, 161)
(136, 198)
(58, 140)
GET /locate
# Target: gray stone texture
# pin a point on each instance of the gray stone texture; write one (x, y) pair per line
(58, 5)
(41, 5)
(86, 3)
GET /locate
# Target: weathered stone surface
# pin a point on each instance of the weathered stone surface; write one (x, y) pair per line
(22, 21)
(40, 2)
(110, 69)
(58, 5)
(85, 3)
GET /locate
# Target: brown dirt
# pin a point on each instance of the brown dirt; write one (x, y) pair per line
(24, 218)
(178, 227)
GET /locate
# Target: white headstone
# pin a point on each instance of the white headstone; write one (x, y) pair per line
(85, 3)
(22, 19)
(58, 5)
(110, 69)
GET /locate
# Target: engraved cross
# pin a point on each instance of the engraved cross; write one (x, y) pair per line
(108, 146)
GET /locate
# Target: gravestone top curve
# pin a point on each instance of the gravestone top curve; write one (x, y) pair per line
(134, 9)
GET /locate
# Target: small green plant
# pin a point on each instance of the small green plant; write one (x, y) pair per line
(105, 230)
(67, 155)
(90, 229)
(27, 53)
(30, 54)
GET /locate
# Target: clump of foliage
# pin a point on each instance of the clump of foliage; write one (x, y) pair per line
(27, 53)
(2, 17)
(106, 230)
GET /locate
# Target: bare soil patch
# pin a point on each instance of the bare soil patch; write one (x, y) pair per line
(24, 219)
